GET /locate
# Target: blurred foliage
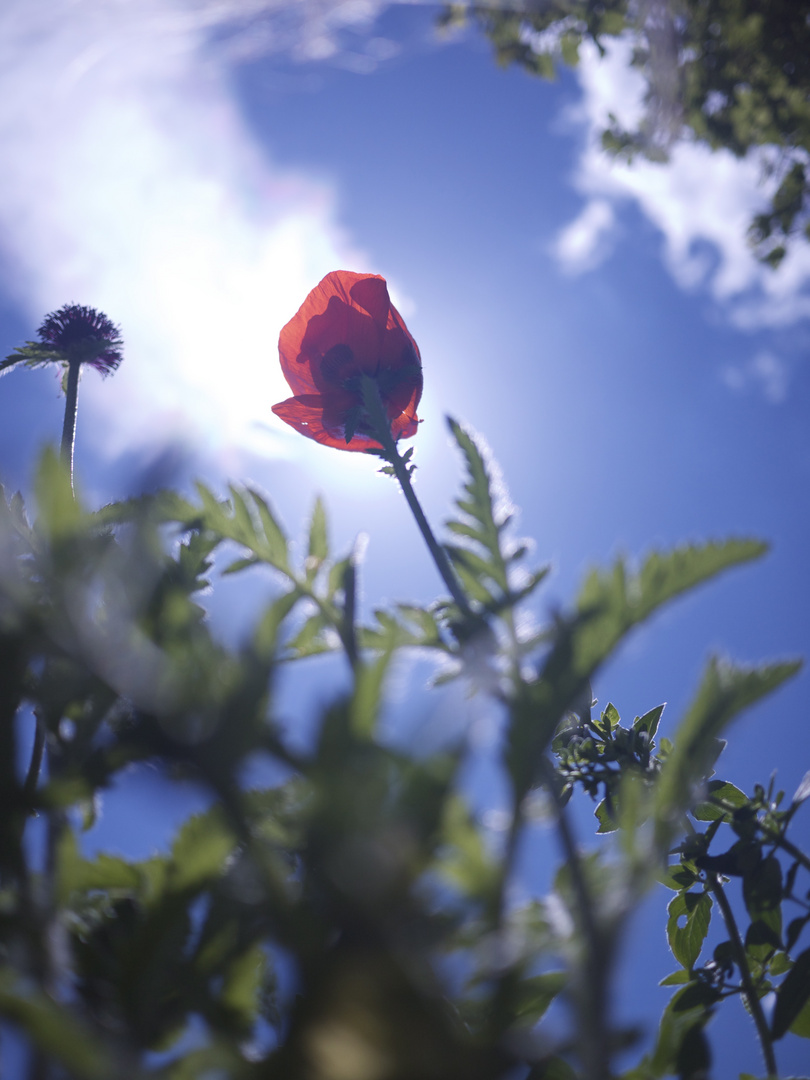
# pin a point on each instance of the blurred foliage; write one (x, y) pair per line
(733, 74)
(359, 919)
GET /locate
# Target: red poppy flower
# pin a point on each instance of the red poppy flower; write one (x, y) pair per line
(346, 328)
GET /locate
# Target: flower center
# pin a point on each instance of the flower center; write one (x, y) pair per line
(337, 364)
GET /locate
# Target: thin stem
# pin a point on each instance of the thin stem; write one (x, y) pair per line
(751, 996)
(786, 845)
(382, 429)
(596, 1047)
(32, 778)
(771, 835)
(71, 408)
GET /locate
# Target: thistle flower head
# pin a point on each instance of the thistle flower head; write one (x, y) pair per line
(85, 335)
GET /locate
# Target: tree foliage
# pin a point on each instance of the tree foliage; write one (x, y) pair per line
(732, 74)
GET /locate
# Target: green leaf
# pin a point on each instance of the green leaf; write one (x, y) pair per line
(792, 999)
(314, 637)
(780, 964)
(277, 543)
(318, 549)
(649, 721)
(483, 564)
(59, 512)
(678, 877)
(242, 984)
(199, 851)
(619, 600)
(466, 862)
(677, 978)
(607, 822)
(76, 875)
(533, 996)
(724, 692)
(693, 1059)
(690, 1007)
(609, 606)
(762, 893)
(240, 564)
(720, 791)
(686, 940)
(266, 634)
(367, 698)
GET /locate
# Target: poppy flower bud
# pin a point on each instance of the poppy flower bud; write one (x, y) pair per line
(347, 328)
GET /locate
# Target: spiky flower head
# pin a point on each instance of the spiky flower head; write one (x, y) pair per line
(85, 335)
(72, 336)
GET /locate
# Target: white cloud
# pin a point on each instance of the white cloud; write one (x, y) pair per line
(702, 202)
(764, 372)
(584, 243)
(130, 183)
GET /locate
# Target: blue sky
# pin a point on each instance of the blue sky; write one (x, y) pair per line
(639, 378)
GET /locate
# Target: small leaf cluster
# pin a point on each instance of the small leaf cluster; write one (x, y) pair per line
(731, 74)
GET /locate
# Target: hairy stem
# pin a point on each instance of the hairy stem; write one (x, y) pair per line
(382, 430)
(751, 996)
(71, 408)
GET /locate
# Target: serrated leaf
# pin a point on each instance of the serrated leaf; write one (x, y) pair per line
(277, 543)
(243, 526)
(313, 638)
(240, 564)
(724, 692)
(609, 606)
(483, 522)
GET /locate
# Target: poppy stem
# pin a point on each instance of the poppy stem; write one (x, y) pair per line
(71, 409)
(382, 430)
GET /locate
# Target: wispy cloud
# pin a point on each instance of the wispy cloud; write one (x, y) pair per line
(764, 373)
(130, 183)
(701, 201)
(585, 243)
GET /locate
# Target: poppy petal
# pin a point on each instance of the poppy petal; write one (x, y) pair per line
(371, 294)
(315, 416)
(347, 326)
